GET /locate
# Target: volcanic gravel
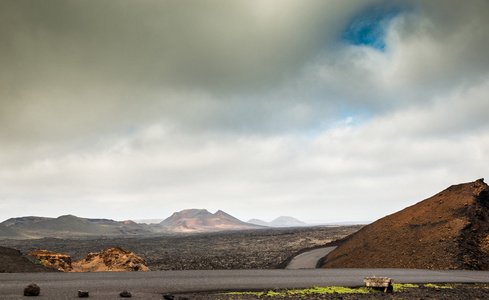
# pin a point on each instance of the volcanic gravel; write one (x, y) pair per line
(248, 249)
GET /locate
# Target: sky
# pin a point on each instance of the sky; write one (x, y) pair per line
(327, 111)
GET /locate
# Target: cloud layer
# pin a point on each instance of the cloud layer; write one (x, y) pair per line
(126, 109)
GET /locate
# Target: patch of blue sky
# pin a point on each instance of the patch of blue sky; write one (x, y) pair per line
(352, 118)
(368, 28)
(345, 119)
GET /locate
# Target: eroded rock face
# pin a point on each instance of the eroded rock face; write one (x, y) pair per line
(114, 259)
(59, 261)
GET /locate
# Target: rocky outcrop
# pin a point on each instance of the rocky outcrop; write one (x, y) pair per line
(59, 261)
(13, 261)
(447, 231)
(114, 259)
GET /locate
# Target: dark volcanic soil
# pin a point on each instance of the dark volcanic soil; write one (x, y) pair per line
(250, 249)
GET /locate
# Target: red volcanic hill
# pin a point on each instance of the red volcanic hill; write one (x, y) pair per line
(200, 220)
(447, 231)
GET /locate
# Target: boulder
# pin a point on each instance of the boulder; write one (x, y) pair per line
(125, 294)
(32, 290)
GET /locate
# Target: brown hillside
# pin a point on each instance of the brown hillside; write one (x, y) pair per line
(447, 231)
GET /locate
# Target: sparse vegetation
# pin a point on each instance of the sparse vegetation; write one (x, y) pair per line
(401, 287)
(307, 292)
(403, 291)
(437, 286)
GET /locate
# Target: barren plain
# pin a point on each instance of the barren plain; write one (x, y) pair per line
(247, 249)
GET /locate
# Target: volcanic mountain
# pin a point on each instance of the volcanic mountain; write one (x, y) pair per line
(67, 226)
(282, 221)
(200, 220)
(449, 230)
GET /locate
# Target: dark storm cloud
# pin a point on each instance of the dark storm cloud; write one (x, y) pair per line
(69, 66)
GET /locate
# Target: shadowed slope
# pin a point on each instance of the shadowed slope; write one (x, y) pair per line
(13, 261)
(447, 231)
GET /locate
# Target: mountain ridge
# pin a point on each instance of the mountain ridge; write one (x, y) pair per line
(185, 221)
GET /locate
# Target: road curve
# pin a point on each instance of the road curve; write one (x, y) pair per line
(309, 259)
(150, 285)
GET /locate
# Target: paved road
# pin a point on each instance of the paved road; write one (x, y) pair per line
(309, 259)
(150, 285)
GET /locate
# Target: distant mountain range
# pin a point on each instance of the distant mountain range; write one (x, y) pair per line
(186, 221)
(68, 225)
(283, 221)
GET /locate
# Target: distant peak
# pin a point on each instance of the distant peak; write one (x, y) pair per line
(68, 216)
(287, 221)
(220, 213)
(194, 210)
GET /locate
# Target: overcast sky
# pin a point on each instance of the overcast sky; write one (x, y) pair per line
(327, 111)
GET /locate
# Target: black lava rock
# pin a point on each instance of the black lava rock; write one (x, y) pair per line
(83, 294)
(125, 294)
(32, 290)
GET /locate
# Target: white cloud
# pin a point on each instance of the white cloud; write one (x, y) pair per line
(258, 108)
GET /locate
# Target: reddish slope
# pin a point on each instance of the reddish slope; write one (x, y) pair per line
(447, 231)
(200, 220)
